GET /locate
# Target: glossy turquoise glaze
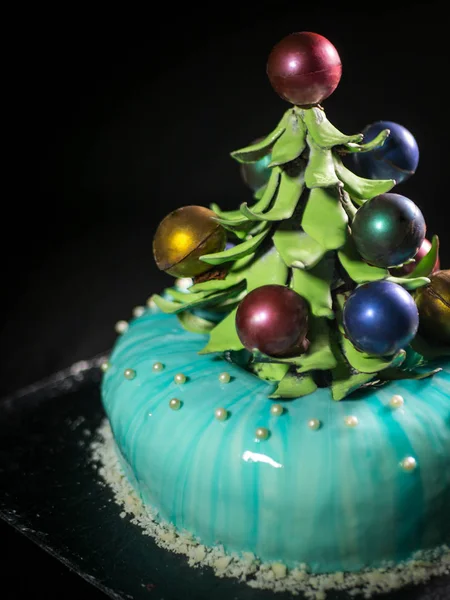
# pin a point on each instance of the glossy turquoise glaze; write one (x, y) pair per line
(335, 498)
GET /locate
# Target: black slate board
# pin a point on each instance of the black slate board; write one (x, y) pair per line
(50, 492)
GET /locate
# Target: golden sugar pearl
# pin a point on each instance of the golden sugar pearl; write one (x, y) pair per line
(351, 421)
(121, 326)
(185, 235)
(409, 463)
(224, 377)
(158, 366)
(314, 424)
(221, 414)
(276, 410)
(180, 378)
(105, 366)
(138, 311)
(175, 404)
(129, 373)
(262, 433)
(396, 401)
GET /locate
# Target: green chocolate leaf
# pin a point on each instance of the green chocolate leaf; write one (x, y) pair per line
(271, 192)
(391, 374)
(409, 283)
(323, 132)
(194, 323)
(320, 170)
(361, 189)
(268, 269)
(298, 247)
(235, 275)
(288, 195)
(345, 382)
(320, 355)
(186, 297)
(171, 307)
(314, 287)
(270, 371)
(377, 142)
(425, 267)
(291, 144)
(224, 336)
(356, 267)
(324, 219)
(294, 385)
(254, 152)
(365, 363)
(260, 192)
(238, 251)
(229, 215)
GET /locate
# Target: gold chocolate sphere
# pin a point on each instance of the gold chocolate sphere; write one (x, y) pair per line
(433, 302)
(183, 236)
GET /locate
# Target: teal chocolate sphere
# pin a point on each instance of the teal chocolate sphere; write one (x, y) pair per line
(388, 230)
(256, 174)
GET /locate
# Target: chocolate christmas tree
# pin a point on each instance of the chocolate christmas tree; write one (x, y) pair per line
(307, 291)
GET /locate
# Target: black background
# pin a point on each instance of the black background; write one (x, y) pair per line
(119, 118)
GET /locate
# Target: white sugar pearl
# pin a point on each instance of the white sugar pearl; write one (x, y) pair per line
(175, 404)
(409, 463)
(224, 377)
(262, 433)
(221, 414)
(276, 410)
(138, 311)
(351, 421)
(129, 373)
(105, 366)
(396, 401)
(314, 424)
(180, 378)
(158, 366)
(121, 326)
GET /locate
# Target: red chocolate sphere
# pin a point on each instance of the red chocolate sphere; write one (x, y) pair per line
(408, 268)
(274, 320)
(304, 68)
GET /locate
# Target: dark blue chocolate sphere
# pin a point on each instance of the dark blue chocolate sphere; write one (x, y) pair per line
(396, 159)
(388, 230)
(380, 318)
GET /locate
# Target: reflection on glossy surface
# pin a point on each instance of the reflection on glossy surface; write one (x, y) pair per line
(260, 458)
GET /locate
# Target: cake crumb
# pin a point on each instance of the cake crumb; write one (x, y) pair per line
(246, 567)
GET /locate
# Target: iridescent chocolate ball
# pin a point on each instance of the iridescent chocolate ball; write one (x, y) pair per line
(388, 230)
(274, 320)
(304, 68)
(183, 236)
(433, 302)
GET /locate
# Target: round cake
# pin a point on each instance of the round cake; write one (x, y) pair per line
(337, 485)
(283, 409)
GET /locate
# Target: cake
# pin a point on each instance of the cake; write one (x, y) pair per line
(282, 412)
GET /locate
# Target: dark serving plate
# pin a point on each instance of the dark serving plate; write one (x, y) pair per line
(50, 492)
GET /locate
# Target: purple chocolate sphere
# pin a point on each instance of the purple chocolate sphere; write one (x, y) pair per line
(272, 319)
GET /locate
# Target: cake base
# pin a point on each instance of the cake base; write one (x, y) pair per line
(246, 567)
